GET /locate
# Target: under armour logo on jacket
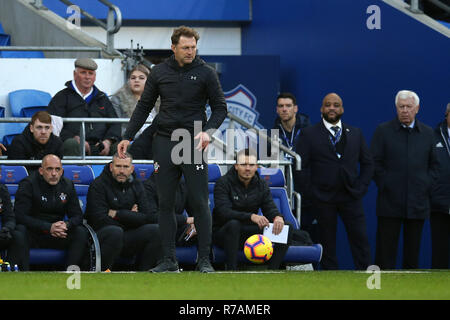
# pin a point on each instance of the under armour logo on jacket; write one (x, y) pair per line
(44, 198)
(193, 77)
(199, 166)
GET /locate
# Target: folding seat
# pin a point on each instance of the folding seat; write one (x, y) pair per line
(26, 102)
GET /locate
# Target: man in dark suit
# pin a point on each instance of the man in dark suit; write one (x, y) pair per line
(330, 152)
(405, 170)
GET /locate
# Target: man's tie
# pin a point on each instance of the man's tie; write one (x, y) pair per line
(335, 129)
(335, 139)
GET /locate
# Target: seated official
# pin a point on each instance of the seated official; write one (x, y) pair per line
(238, 195)
(43, 200)
(36, 141)
(12, 236)
(185, 224)
(118, 210)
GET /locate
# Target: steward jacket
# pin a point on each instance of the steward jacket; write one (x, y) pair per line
(107, 193)
(440, 196)
(25, 147)
(181, 200)
(406, 167)
(232, 200)
(7, 218)
(67, 103)
(184, 93)
(38, 204)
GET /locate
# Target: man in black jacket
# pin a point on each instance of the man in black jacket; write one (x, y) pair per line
(238, 196)
(440, 198)
(405, 169)
(43, 200)
(12, 236)
(82, 99)
(118, 210)
(185, 84)
(36, 141)
(336, 171)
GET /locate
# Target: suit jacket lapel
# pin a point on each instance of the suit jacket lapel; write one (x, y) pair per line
(326, 136)
(349, 137)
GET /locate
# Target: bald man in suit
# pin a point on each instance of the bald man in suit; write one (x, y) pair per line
(336, 171)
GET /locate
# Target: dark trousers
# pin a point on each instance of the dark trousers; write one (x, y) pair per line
(17, 251)
(388, 232)
(232, 236)
(440, 239)
(167, 175)
(75, 243)
(352, 215)
(143, 242)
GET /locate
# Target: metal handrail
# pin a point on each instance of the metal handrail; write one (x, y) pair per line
(111, 26)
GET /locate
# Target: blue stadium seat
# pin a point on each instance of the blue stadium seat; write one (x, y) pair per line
(24, 103)
(10, 176)
(22, 54)
(5, 39)
(143, 171)
(9, 130)
(81, 176)
(2, 111)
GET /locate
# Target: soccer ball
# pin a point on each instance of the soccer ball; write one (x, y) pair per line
(258, 248)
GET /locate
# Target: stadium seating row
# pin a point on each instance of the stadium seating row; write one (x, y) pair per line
(82, 176)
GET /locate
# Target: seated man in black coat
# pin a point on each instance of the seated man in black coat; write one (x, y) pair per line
(12, 236)
(36, 141)
(237, 197)
(43, 199)
(118, 210)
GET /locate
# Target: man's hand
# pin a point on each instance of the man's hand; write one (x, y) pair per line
(122, 148)
(87, 147)
(112, 213)
(278, 224)
(59, 230)
(135, 208)
(203, 142)
(2, 147)
(106, 147)
(261, 221)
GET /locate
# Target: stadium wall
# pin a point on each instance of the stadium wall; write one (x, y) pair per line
(329, 46)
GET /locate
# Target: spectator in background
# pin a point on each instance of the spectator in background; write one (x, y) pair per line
(12, 236)
(118, 210)
(289, 121)
(440, 198)
(336, 172)
(406, 167)
(36, 141)
(82, 99)
(43, 200)
(238, 195)
(124, 102)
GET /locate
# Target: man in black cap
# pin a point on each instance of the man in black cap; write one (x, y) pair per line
(82, 99)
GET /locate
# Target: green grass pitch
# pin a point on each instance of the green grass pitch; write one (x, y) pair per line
(292, 285)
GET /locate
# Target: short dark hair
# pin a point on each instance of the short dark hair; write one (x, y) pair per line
(287, 95)
(247, 152)
(42, 116)
(127, 155)
(185, 32)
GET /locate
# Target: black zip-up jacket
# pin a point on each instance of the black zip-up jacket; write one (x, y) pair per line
(184, 93)
(25, 147)
(290, 140)
(106, 193)
(233, 201)
(440, 195)
(67, 103)
(7, 217)
(38, 204)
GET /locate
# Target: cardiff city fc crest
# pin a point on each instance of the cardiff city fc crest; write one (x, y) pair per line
(242, 103)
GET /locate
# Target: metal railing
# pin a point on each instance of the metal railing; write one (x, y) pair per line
(111, 26)
(92, 160)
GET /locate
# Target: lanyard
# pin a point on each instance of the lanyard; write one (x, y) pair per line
(291, 142)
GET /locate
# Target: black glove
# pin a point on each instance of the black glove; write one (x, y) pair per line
(5, 237)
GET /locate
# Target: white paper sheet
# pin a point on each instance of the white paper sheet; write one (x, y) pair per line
(279, 238)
